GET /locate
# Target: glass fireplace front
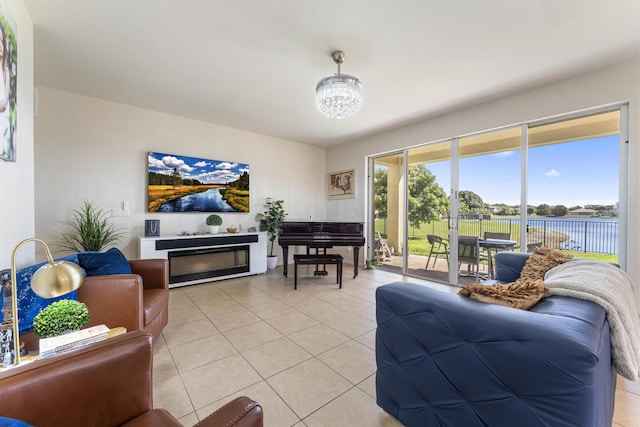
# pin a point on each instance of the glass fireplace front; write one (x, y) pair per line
(197, 264)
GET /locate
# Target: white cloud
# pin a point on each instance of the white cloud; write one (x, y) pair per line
(552, 173)
(154, 163)
(217, 177)
(171, 162)
(226, 165)
(504, 154)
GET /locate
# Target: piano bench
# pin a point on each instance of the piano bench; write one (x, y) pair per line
(317, 259)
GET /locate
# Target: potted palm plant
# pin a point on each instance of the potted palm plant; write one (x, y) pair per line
(270, 221)
(90, 230)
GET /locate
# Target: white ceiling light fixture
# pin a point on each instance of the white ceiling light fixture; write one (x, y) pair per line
(340, 95)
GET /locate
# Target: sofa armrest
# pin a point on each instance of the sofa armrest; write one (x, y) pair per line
(447, 357)
(104, 384)
(114, 300)
(154, 272)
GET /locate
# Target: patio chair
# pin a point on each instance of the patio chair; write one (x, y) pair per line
(381, 247)
(497, 235)
(469, 253)
(490, 252)
(439, 246)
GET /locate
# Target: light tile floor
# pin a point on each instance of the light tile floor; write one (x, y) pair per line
(307, 356)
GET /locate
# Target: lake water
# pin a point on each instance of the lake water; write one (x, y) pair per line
(585, 234)
(207, 201)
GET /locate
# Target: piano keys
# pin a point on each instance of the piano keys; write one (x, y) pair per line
(321, 235)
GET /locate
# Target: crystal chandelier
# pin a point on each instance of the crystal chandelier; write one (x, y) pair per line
(340, 95)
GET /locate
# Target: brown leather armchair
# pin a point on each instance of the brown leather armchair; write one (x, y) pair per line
(105, 384)
(137, 301)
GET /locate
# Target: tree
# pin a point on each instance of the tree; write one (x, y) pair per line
(176, 177)
(380, 192)
(242, 183)
(470, 202)
(543, 210)
(427, 200)
(559, 210)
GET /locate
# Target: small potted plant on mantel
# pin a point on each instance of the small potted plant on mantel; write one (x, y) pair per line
(270, 221)
(214, 221)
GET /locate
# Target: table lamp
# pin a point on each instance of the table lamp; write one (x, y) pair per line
(53, 279)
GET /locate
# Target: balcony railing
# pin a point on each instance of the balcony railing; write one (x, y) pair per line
(584, 235)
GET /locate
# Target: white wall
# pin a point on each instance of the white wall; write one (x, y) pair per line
(17, 202)
(94, 150)
(617, 83)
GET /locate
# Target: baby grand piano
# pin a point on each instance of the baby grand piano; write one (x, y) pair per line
(321, 235)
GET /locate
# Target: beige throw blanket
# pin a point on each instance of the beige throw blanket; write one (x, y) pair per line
(610, 287)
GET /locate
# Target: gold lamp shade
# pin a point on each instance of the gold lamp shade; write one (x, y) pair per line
(56, 279)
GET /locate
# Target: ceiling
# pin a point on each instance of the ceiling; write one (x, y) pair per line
(254, 64)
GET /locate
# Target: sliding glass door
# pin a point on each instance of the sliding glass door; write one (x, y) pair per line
(489, 194)
(553, 183)
(389, 183)
(574, 180)
(429, 211)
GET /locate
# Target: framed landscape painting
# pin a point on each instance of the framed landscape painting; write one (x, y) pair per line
(341, 185)
(191, 184)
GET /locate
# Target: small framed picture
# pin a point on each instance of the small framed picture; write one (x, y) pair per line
(341, 185)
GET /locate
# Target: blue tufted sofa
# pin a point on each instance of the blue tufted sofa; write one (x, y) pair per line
(447, 360)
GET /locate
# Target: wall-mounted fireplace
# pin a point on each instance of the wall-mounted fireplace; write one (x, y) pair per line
(196, 264)
(207, 257)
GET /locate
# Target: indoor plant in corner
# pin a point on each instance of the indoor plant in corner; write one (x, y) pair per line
(214, 221)
(270, 221)
(90, 230)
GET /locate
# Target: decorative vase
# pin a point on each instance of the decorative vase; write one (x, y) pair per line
(213, 229)
(272, 261)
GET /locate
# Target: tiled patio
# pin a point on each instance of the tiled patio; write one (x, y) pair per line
(416, 268)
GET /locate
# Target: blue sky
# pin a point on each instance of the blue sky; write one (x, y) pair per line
(573, 173)
(206, 171)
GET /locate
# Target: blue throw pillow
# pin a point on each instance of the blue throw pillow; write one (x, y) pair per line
(10, 422)
(30, 304)
(104, 263)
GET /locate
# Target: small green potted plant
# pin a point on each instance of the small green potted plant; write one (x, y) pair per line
(270, 221)
(60, 317)
(370, 264)
(214, 221)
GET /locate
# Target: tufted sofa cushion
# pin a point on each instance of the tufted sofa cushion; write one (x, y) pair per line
(447, 360)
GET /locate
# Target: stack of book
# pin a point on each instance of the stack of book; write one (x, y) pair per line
(73, 340)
